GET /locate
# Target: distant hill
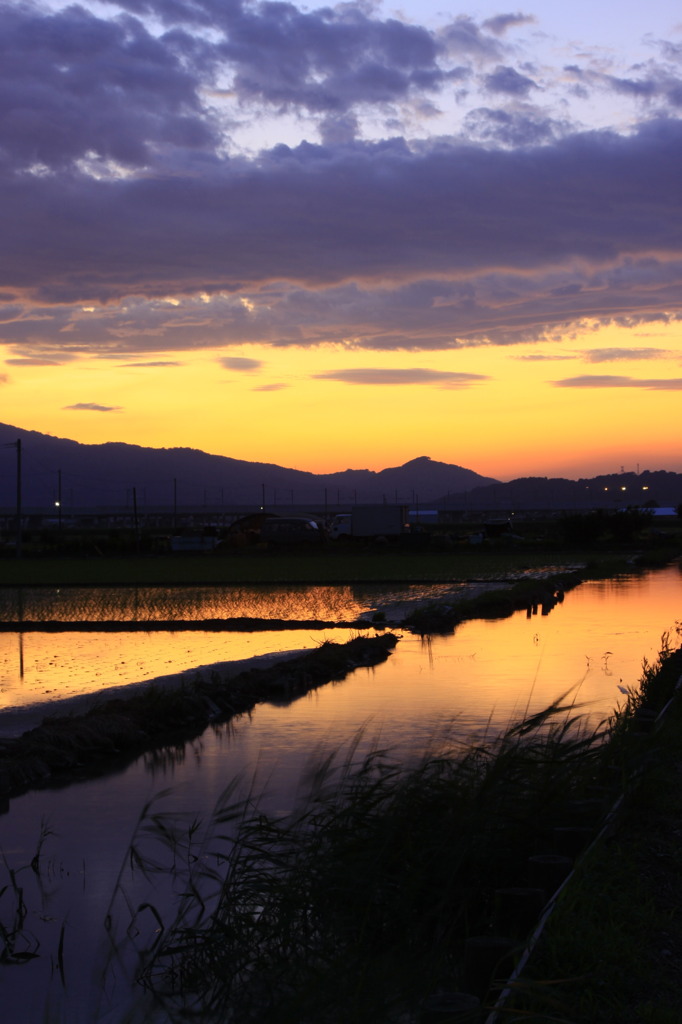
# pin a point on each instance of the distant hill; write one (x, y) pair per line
(616, 490)
(92, 475)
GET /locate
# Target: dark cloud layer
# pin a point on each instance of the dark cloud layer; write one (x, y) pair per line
(120, 186)
(364, 212)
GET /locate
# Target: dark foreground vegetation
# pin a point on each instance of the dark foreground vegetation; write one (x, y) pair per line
(611, 950)
(404, 894)
(407, 893)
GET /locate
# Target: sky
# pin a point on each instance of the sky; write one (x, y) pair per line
(346, 236)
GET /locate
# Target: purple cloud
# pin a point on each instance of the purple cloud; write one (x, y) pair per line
(365, 211)
(321, 60)
(608, 355)
(513, 127)
(122, 186)
(607, 381)
(240, 363)
(464, 38)
(507, 80)
(77, 87)
(501, 23)
(32, 361)
(542, 357)
(151, 364)
(92, 407)
(392, 377)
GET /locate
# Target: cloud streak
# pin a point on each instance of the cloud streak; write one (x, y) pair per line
(92, 407)
(152, 364)
(609, 355)
(392, 377)
(241, 364)
(612, 381)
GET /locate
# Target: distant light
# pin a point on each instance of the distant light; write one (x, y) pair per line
(57, 504)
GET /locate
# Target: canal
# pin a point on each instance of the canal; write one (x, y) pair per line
(430, 693)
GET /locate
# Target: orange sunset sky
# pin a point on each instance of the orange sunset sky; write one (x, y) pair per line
(346, 237)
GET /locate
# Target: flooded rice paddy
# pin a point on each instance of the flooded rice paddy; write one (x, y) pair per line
(480, 678)
(38, 670)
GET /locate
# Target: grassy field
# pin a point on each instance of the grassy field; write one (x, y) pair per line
(329, 566)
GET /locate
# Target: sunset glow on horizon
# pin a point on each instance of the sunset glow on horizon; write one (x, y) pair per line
(346, 237)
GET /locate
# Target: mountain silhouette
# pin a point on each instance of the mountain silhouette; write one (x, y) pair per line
(114, 474)
(96, 475)
(609, 491)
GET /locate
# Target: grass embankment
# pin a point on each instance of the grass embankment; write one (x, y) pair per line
(531, 594)
(396, 893)
(611, 950)
(114, 732)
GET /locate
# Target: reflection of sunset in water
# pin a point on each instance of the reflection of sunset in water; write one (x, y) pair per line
(591, 644)
(490, 670)
(154, 603)
(41, 668)
(140, 604)
(59, 666)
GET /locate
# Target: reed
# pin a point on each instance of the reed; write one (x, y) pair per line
(364, 900)
(360, 902)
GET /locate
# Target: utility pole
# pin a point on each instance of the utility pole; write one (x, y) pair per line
(59, 504)
(135, 523)
(17, 444)
(19, 497)
(59, 499)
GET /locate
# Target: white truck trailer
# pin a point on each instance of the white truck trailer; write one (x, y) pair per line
(379, 520)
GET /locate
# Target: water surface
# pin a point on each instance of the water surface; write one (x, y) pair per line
(38, 670)
(480, 678)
